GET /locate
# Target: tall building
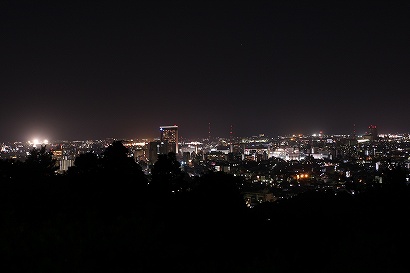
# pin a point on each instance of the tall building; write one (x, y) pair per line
(154, 149)
(373, 131)
(169, 134)
(372, 134)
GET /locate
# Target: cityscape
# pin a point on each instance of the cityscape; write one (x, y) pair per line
(296, 202)
(273, 168)
(204, 136)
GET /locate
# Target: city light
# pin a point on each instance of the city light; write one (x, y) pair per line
(36, 142)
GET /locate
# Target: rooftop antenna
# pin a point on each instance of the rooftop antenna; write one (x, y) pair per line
(230, 134)
(209, 131)
(354, 130)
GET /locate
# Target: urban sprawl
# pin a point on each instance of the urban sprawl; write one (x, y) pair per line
(271, 168)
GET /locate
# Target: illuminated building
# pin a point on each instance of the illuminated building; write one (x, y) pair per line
(169, 134)
(57, 154)
(64, 164)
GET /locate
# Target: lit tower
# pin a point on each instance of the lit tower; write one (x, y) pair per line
(354, 131)
(231, 140)
(169, 135)
(209, 132)
(230, 135)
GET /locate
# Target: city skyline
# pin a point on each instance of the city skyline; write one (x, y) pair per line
(362, 132)
(83, 70)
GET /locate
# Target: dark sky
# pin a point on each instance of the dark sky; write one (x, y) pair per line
(91, 70)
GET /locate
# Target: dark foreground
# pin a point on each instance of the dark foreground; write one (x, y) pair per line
(62, 228)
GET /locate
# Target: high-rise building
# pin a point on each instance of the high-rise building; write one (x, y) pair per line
(154, 149)
(169, 134)
(373, 131)
(372, 134)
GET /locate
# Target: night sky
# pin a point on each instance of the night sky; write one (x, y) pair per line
(76, 70)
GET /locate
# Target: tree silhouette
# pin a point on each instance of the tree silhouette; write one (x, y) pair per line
(40, 163)
(85, 164)
(119, 168)
(395, 178)
(10, 169)
(117, 164)
(221, 189)
(167, 176)
(115, 156)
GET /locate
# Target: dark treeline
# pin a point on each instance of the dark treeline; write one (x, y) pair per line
(106, 214)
